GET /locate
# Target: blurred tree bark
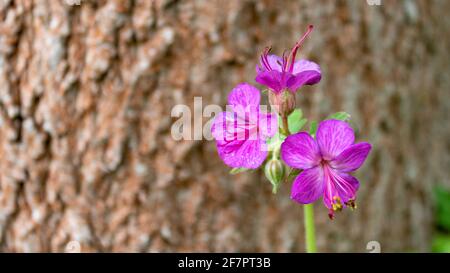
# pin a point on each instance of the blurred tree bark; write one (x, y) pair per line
(86, 92)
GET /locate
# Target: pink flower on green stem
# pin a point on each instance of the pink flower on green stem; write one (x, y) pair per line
(326, 163)
(285, 73)
(241, 134)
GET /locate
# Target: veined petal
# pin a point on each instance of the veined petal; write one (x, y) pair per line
(244, 95)
(220, 128)
(300, 151)
(229, 126)
(248, 154)
(268, 125)
(271, 79)
(274, 61)
(303, 78)
(339, 188)
(351, 158)
(334, 136)
(305, 65)
(240, 136)
(308, 186)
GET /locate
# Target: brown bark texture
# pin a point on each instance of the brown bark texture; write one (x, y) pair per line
(86, 93)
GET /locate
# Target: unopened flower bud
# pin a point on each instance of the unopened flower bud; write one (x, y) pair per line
(275, 171)
(283, 102)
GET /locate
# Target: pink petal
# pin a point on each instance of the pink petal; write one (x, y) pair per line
(338, 185)
(300, 151)
(308, 186)
(244, 95)
(224, 126)
(218, 127)
(275, 62)
(333, 136)
(305, 65)
(351, 158)
(268, 125)
(248, 154)
(272, 79)
(304, 73)
(303, 78)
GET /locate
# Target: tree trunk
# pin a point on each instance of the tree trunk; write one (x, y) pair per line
(86, 93)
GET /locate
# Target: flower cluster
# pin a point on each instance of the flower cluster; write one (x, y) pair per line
(248, 138)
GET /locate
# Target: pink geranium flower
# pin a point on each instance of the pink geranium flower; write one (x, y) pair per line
(285, 73)
(241, 133)
(326, 162)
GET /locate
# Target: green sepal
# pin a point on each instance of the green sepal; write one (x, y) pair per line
(295, 121)
(313, 128)
(340, 116)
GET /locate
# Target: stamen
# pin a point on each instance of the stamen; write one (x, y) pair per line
(297, 46)
(337, 204)
(264, 59)
(351, 203)
(264, 63)
(343, 185)
(331, 214)
(285, 61)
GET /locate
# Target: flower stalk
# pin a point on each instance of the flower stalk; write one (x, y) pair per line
(308, 209)
(285, 128)
(310, 232)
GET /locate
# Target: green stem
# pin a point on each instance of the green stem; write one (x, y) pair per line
(285, 127)
(309, 229)
(308, 209)
(310, 232)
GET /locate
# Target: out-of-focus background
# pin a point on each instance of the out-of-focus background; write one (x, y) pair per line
(87, 155)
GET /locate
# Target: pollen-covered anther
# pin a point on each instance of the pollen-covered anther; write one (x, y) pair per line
(351, 204)
(337, 204)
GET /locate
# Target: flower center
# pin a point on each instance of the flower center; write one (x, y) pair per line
(324, 162)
